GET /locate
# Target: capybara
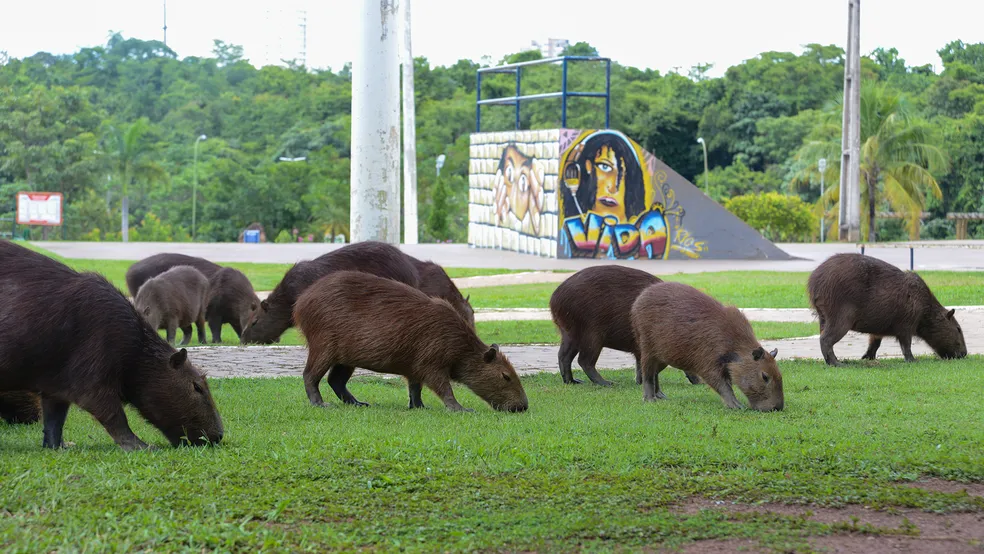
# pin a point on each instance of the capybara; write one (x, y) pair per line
(174, 300)
(678, 325)
(591, 309)
(76, 339)
(152, 266)
(231, 300)
(275, 314)
(20, 407)
(352, 319)
(434, 282)
(852, 292)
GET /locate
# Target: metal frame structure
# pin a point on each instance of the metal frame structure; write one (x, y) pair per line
(564, 94)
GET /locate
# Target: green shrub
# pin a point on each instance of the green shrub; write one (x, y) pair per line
(284, 237)
(777, 216)
(938, 229)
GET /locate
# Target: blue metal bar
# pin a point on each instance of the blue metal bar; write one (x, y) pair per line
(608, 93)
(588, 94)
(503, 68)
(563, 98)
(518, 77)
(912, 259)
(513, 99)
(478, 104)
(862, 250)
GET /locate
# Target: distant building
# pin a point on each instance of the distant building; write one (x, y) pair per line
(552, 47)
(284, 34)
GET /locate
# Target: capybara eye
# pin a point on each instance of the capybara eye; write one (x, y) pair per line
(765, 377)
(252, 307)
(198, 388)
(506, 377)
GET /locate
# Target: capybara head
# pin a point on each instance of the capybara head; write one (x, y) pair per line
(495, 380)
(757, 376)
(264, 325)
(176, 399)
(150, 313)
(941, 331)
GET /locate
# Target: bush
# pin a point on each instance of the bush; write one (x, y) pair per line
(284, 237)
(938, 229)
(778, 217)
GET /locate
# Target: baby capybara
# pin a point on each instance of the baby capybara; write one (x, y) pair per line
(352, 319)
(591, 309)
(20, 407)
(852, 292)
(75, 339)
(175, 300)
(434, 282)
(152, 266)
(275, 314)
(678, 325)
(231, 300)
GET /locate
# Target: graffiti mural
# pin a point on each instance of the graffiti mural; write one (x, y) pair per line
(615, 201)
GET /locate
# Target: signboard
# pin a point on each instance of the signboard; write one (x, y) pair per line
(39, 208)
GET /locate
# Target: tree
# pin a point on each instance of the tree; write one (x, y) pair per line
(130, 157)
(900, 155)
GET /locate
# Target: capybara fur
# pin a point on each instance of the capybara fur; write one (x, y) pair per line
(275, 314)
(75, 339)
(352, 319)
(231, 300)
(152, 266)
(591, 309)
(434, 282)
(852, 292)
(681, 326)
(20, 407)
(174, 300)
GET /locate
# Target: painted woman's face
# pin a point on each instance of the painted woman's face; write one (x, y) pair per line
(610, 189)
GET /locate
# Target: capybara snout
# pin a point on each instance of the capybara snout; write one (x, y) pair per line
(499, 384)
(761, 381)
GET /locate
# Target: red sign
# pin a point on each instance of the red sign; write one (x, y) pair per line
(39, 208)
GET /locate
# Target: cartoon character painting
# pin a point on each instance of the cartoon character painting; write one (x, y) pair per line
(518, 190)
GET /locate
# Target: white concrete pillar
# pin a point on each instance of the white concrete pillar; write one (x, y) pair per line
(409, 135)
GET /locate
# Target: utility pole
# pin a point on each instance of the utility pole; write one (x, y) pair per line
(409, 135)
(165, 22)
(375, 172)
(849, 213)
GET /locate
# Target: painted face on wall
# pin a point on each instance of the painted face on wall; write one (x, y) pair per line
(518, 187)
(609, 176)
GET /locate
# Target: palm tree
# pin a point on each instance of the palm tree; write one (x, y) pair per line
(129, 155)
(899, 156)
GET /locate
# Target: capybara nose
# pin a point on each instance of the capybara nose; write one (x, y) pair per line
(778, 407)
(518, 408)
(218, 439)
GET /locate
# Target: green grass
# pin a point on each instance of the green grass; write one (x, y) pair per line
(746, 289)
(587, 468)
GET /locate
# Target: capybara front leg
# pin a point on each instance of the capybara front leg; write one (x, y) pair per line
(200, 324)
(587, 360)
(442, 388)
(235, 327)
(215, 325)
(692, 377)
(54, 413)
(113, 419)
(565, 356)
(650, 380)
(415, 388)
(873, 343)
(314, 371)
(172, 332)
(906, 344)
(338, 377)
(187, 334)
(723, 387)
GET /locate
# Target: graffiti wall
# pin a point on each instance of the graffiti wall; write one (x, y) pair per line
(512, 196)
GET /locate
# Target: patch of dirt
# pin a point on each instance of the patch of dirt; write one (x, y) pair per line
(867, 544)
(723, 546)
(950, 487)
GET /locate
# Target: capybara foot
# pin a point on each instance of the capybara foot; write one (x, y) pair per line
(573, 381)
(693, 378)
(134, 444)
(49, 444)
(868, 357)
(660, 396)
(604, 383)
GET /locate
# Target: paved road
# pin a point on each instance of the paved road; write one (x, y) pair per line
(938, 255)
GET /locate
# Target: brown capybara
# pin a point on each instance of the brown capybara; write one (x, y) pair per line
(76, 339)
(231, 300)
(152, 266)
(678, 325)
(852, 292)
(434, 282)
(591, 309)
(20, 407)
(275, 314)
(352, 319)
(175, 300)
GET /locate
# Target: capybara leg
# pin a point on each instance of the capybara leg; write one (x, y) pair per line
(415, 388)
(638, 371)
(587, 360)
(114, 420)
(200, 325)
(568, 349)
(906, 344)
(215, 325)
(235, 327)
(692, 377)
(187, 334)
(442, 388)
(873, 343)
(338, 377)
(54, 413)
(833, 332)
(314, 371)
(172, 332)
(650, 380)
(723, 387)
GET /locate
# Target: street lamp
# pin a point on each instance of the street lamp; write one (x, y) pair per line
(194, 193)
(700, 140)
(822, 165)
(440, 164)
(298, 159)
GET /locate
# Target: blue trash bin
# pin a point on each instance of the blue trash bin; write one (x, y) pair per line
(252, 235)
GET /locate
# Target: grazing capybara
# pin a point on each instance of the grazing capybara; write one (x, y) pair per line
(76, 339)
(591, 309)
(20, 407)
(852, 292)
(231, 300)
(678, 325)
(434, 282)
(352, 319)
(275, 314)
(152, 266)
(174, 300)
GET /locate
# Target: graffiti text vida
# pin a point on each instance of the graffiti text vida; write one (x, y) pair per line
(592, 235)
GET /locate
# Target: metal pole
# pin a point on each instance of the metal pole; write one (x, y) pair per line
(822, 165)
(409, 136)
(704, 145)
(518, 77)
(608, 93)
(849, 211)
(563, 96)
(478, 107)
(194, 190)
(375, 170)
(912, 258)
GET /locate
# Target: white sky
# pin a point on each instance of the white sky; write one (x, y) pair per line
(658, 34)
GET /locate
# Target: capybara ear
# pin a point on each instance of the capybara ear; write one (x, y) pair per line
(146, 310)
(949, 315)
(774, 353)
(758, 353)
(467, 298)
(490, 355)
(178, 358)
(263, 304)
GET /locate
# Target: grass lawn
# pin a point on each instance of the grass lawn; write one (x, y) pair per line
(745, 289)
(586, 468)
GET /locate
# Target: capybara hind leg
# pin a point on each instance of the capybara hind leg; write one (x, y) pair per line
(215, 325)
(314, 371)
(650, 380)
(587, 360)
(338, 377)
(833, 331)
(113, 419)
(565, 356)
(415, 388)
(442, 388)
(54, 414)
(172, 333)
(692, 377)
(873, 343)
(186, 330)
(638, 371)
(906, 344)
(200, 324)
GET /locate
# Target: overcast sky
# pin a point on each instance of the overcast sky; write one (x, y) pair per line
(656, 34)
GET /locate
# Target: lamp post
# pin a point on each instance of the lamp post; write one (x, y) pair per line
(700, 140)
(822, 165)
(194, 193)
(440, 164)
